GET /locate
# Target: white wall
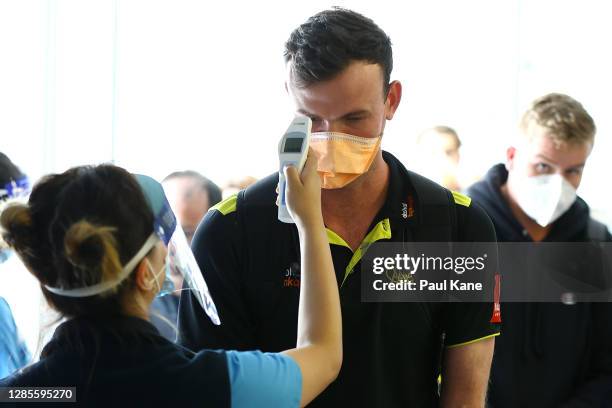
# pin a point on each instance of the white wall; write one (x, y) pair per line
(158, 85)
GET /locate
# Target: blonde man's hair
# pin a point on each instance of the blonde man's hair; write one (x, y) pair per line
(564, 117)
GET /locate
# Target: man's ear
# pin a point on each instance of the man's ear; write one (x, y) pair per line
(510, 156)
(394, 97)
(143, 280)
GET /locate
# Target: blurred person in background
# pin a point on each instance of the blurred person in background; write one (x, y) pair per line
(190, 195)
(551, 354)
(13, 351)
(235, 185)
(18, 292)
(101, 240)
(437, 156)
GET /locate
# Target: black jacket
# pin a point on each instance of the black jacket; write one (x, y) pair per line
(125, 362)
(550, 354)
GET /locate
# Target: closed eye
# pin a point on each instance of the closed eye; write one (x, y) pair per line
(543, 168)
(574, 171)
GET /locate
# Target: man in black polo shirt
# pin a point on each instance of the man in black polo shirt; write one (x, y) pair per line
(551, 354)
(339, 65)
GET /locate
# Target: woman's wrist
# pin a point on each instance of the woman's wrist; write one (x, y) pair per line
(308, 224)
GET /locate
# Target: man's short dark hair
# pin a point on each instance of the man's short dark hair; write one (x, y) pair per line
(213, 190)
(329, 41)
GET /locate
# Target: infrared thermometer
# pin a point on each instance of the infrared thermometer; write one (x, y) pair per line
(292, 151)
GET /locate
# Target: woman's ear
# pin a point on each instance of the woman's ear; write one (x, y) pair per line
(142, 272)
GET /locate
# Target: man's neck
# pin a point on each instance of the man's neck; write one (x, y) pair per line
(535, 230)
(349, 211)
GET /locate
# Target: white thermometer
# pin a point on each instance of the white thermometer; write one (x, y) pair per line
(292, 150)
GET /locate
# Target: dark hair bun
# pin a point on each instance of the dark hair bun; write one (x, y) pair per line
(16, 222)
(88, 246)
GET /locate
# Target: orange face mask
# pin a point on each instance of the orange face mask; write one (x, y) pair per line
(342, 157)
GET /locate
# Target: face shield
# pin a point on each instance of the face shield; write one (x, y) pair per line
(179, 258)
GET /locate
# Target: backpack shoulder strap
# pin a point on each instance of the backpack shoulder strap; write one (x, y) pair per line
(438, 220)
(262, 193)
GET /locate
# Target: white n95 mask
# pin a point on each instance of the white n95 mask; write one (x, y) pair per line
(545, 198)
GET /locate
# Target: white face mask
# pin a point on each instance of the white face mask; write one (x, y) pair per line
(544, 198)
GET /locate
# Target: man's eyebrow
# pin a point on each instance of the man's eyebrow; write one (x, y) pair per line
(541, 156)
(576, 166)
(306, 113)
(359, 112)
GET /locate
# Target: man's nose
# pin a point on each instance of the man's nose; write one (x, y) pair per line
(326, 126)
(320, 126)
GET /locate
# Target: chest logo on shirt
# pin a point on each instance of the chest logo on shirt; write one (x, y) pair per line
(408, 208)
(292, 276)
(396, 276)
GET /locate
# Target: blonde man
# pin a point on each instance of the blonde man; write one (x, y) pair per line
(551, 354)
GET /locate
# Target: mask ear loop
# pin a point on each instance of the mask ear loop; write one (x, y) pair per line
(155, 276)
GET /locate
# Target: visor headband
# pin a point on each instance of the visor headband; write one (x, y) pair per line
(101, 287)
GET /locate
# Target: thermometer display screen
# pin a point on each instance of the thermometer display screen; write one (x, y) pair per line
(293, 144)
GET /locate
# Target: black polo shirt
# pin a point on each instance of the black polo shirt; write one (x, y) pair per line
(392, 351)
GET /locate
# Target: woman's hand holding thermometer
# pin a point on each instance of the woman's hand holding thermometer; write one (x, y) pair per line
(303, 194)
